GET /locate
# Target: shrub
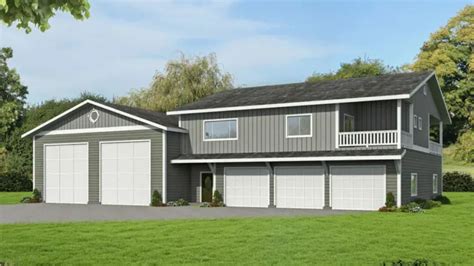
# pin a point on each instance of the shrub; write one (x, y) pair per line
(205, 205)
(411, 207)
(36, 196)
(390, 200)
(217, 200)
(464, 148)
(442, 199)
(427, 204)
(416, 262)
(178, 203)
(156, 199)
(15, 182)
(388, 209)
(457, 182)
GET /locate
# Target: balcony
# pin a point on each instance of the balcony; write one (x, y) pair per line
(368, 138)
(436, 148)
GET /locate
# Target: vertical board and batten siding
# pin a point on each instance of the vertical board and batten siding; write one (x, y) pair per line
(424, 106)
(178, 175)
(79, 119)
(368, 116)
(425, 165)
(262, 131)
(93, 139)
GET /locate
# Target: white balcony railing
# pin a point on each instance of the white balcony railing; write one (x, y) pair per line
(368, 138)
(435, 147)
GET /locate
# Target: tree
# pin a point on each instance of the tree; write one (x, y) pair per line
(38, 12)
(12, 94)
(18, 156)
(359, 67)
(449, 51)
(185, 80)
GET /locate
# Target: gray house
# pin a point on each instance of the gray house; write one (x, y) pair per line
(340, 144)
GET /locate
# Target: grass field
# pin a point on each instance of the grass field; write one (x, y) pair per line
(12, 197)
(450, 164)
(443, 235)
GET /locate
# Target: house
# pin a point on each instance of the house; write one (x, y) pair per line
(340, 144)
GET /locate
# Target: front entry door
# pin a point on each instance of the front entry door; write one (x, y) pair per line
(206, 187)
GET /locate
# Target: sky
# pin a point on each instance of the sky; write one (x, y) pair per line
(124, 43)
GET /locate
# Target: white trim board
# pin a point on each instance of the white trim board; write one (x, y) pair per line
(280, 105)
(290, 159)
(93, 130)
(106, 108)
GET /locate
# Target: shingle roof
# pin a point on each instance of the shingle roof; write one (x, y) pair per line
(373, 152)
(384, 85)
(153, 116)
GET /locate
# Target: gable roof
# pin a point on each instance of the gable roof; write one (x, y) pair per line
(384, 87)
(152, 118)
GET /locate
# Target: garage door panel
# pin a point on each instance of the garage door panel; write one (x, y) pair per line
(358, 187)
(247, 187)
(299, 187)
(126, 173)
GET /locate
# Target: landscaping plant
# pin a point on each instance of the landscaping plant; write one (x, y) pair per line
(217, 200)
(458, 182)
(156, 200)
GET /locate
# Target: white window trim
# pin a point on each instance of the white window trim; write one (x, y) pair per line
(299, 136)
(344, 121)
(415, 121)
(411, 184)
(222, 119)
(420, 123)
(435, 188)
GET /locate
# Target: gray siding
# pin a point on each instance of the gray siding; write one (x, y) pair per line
(425, 165)
(178, 175)
(80, 119)
(262, 131)
(423, 106)
(406, 116)
(93, 139)
(379, 115)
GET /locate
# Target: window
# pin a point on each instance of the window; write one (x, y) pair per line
(420, 122)
(348, 123)
(414, 184)
(435, 183)
(221, 129)
(298, 126)
(415, 121)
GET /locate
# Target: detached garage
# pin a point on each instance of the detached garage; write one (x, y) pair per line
(105, 154)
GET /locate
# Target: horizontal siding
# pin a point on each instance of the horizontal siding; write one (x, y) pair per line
(93, 139)
(262, 131)
(79, 119)
(425, 165)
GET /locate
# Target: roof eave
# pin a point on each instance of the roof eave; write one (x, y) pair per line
(151, 123)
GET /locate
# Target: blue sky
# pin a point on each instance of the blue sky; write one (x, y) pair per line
(124, 43)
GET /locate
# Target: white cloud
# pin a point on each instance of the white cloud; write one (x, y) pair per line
(124, 43)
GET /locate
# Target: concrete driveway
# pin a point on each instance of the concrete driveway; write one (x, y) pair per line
(35, 213)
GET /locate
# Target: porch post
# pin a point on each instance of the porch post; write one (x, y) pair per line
(212, 167)
(398, 168)
(337, 126)
(399, 124)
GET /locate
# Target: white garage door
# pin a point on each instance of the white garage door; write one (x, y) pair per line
(299, 187)
(66, 173)
(246, 187)
(357, 187)
(125, 173)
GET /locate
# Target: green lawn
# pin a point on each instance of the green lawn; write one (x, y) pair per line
(443, 235)
(450, 164)
(12, 197)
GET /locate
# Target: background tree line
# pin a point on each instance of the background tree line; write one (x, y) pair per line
(449, 51)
